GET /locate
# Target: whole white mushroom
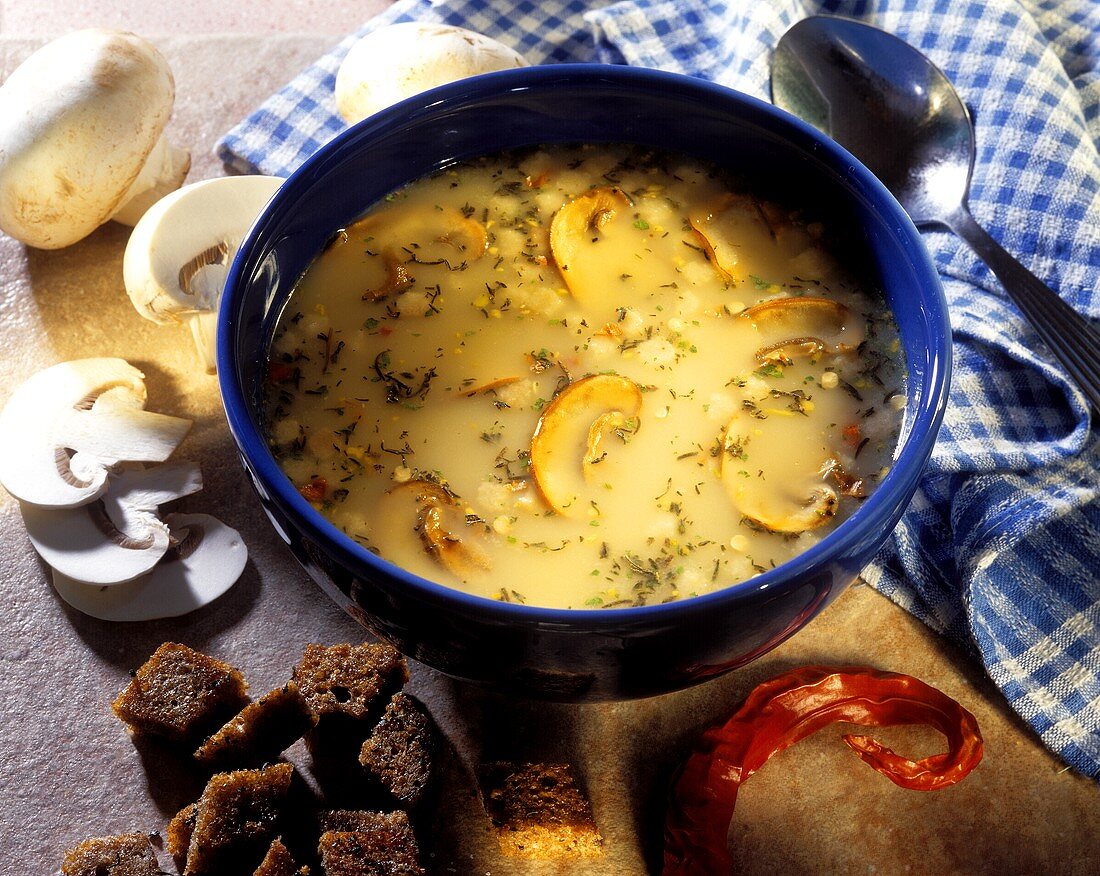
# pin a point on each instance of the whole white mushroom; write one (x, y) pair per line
(400, 60)
(82, 137)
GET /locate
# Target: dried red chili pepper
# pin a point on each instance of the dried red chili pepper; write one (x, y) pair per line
(788, 708)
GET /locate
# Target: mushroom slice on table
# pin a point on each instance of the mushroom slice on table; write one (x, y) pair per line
(574, 233)
(445, 530)
(119, 538)
(804, 326)
(773, 469)
(81, 137)
(571, 437)
(488, 386)
(178, 256)
(64, 427)
(206, 562)
(400, 60)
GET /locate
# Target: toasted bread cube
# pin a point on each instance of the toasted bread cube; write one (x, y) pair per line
(400, 750)
(261, 731)
(349, 680)
(180, 694)
(384, 846)
(238, 817)
(128, 855)
(279, 862)
(539, 812)
(348, 820)
(178, 834)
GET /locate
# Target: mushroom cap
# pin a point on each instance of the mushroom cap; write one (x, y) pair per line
(400, 60)
(77, 121)
(63, 428)
(183, 581)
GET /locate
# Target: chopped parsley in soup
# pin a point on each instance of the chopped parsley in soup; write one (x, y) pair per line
(584, 377)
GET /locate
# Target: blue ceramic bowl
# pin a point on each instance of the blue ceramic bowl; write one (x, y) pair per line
(577, 654)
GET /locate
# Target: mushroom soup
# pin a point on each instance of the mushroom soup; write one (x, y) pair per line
(581, 377)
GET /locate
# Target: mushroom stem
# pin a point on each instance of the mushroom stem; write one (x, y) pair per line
(163, 172)
(117, 433)
(204, 331)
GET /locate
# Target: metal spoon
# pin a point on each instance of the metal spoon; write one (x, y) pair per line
(893, 109)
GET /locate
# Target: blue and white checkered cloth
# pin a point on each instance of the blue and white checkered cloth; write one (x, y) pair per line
(1000, 549)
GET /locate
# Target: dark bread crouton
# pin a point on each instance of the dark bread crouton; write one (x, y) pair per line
(348, 820)
(400, 751)
(349, 680)
(261, 731)
(538, 811)
(180, 694)
(126, 855)
(178, 834)
(279, 862)
(238, 816)
(384, 846)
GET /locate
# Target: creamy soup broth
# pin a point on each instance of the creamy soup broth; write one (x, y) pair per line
(584, 377)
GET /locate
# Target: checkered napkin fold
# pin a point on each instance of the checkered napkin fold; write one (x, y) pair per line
(1000, 549)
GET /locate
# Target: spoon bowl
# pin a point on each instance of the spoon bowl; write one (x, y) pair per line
(897, 112)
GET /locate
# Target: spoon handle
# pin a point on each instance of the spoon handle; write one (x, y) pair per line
(1070, 336)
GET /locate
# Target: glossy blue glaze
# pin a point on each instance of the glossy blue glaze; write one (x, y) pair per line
(577, 654)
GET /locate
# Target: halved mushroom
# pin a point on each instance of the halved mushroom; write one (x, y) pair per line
(62, 429)
(804, 326)
(402, 238)
(570, 437)
(400, 60)
(439, 520)
(205, 562)
(774, 479)
(81, 137)
(178, 256)
(575, 232)
(119, 538)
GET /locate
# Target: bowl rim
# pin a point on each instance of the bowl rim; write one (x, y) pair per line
(921, 427)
